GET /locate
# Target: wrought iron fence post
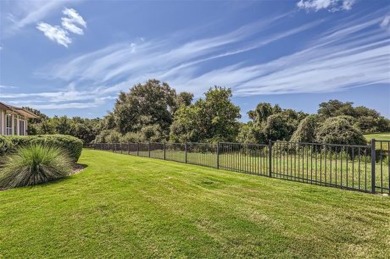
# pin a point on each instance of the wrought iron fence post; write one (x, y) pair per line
(128, 147)
(217, 155)
(164, 148)
(137, 148)
(149, 148)
(270, 158)
(373, 162)
(185, 149)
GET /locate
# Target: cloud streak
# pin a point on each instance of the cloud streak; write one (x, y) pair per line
(330, 5)
(72, 22)
(55, 33)
(30, 12)
(352, 53)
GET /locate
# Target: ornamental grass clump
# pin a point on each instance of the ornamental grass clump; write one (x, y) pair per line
(34, 164)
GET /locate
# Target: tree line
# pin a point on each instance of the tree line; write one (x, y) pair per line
(154, 111)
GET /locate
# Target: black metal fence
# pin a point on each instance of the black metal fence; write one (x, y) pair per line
(356, 167)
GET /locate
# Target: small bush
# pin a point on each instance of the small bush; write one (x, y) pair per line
(34, 164)
(71, 145)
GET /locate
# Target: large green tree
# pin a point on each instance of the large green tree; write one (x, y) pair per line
(145, 104)
(367, 120)
(270, 123)
(211, 119)
(146, 111)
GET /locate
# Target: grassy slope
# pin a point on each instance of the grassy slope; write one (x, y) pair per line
(139, 207)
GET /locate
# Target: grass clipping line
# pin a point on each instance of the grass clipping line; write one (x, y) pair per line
(33, 165)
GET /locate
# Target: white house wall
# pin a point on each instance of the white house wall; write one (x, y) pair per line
(14, 126)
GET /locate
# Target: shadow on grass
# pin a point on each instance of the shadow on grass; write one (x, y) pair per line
(77, 168)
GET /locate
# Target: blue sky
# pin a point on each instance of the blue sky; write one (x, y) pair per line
(73, 57)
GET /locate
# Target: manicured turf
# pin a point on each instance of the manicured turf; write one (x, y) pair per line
(378, 136)
(126, 206)
(334, 169)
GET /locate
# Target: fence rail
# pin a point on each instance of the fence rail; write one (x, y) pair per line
(363, 168)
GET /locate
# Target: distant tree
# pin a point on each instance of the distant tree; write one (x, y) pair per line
(62, 125)
(367, 120)
(148, 104)
(306, 131)
(338, 130)
(84, 129)
(279, 127)
(272, 123)
(211, 119)
(186, 125)
(334, 108)
(248, 134)
(33, 126)
(262, 112)
(108, 122)
(184, 99)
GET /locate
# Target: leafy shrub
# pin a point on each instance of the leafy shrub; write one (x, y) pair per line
(34, 164)
(306, 131)
(5, 145)
(130, 137)
(338, 130)
(71, 145)
(279, 127)
(108, 136)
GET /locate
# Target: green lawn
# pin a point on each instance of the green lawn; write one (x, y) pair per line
(378, 136)
(325, 168)
(126, 206)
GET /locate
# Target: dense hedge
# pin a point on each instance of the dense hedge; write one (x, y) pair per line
(71, 145)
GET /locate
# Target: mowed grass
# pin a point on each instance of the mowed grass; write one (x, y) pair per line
(126, 206)
(378, 136)
(321, 168)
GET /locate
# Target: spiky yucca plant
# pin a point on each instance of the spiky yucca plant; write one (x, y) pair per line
(34, 164)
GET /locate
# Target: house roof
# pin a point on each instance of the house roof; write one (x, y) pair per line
(17, 110)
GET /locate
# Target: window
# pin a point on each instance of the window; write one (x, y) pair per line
(15, 125)
(8, 124)
(22, 127)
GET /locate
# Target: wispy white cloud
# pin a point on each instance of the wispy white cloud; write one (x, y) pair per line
(30, 12)
(385, 24)
(351, 53)
(72, 20)
(330, 5)
(70, 23)
(124, 60)
(55, 33)
(7, 86)
(69, 98)
(350, 56)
